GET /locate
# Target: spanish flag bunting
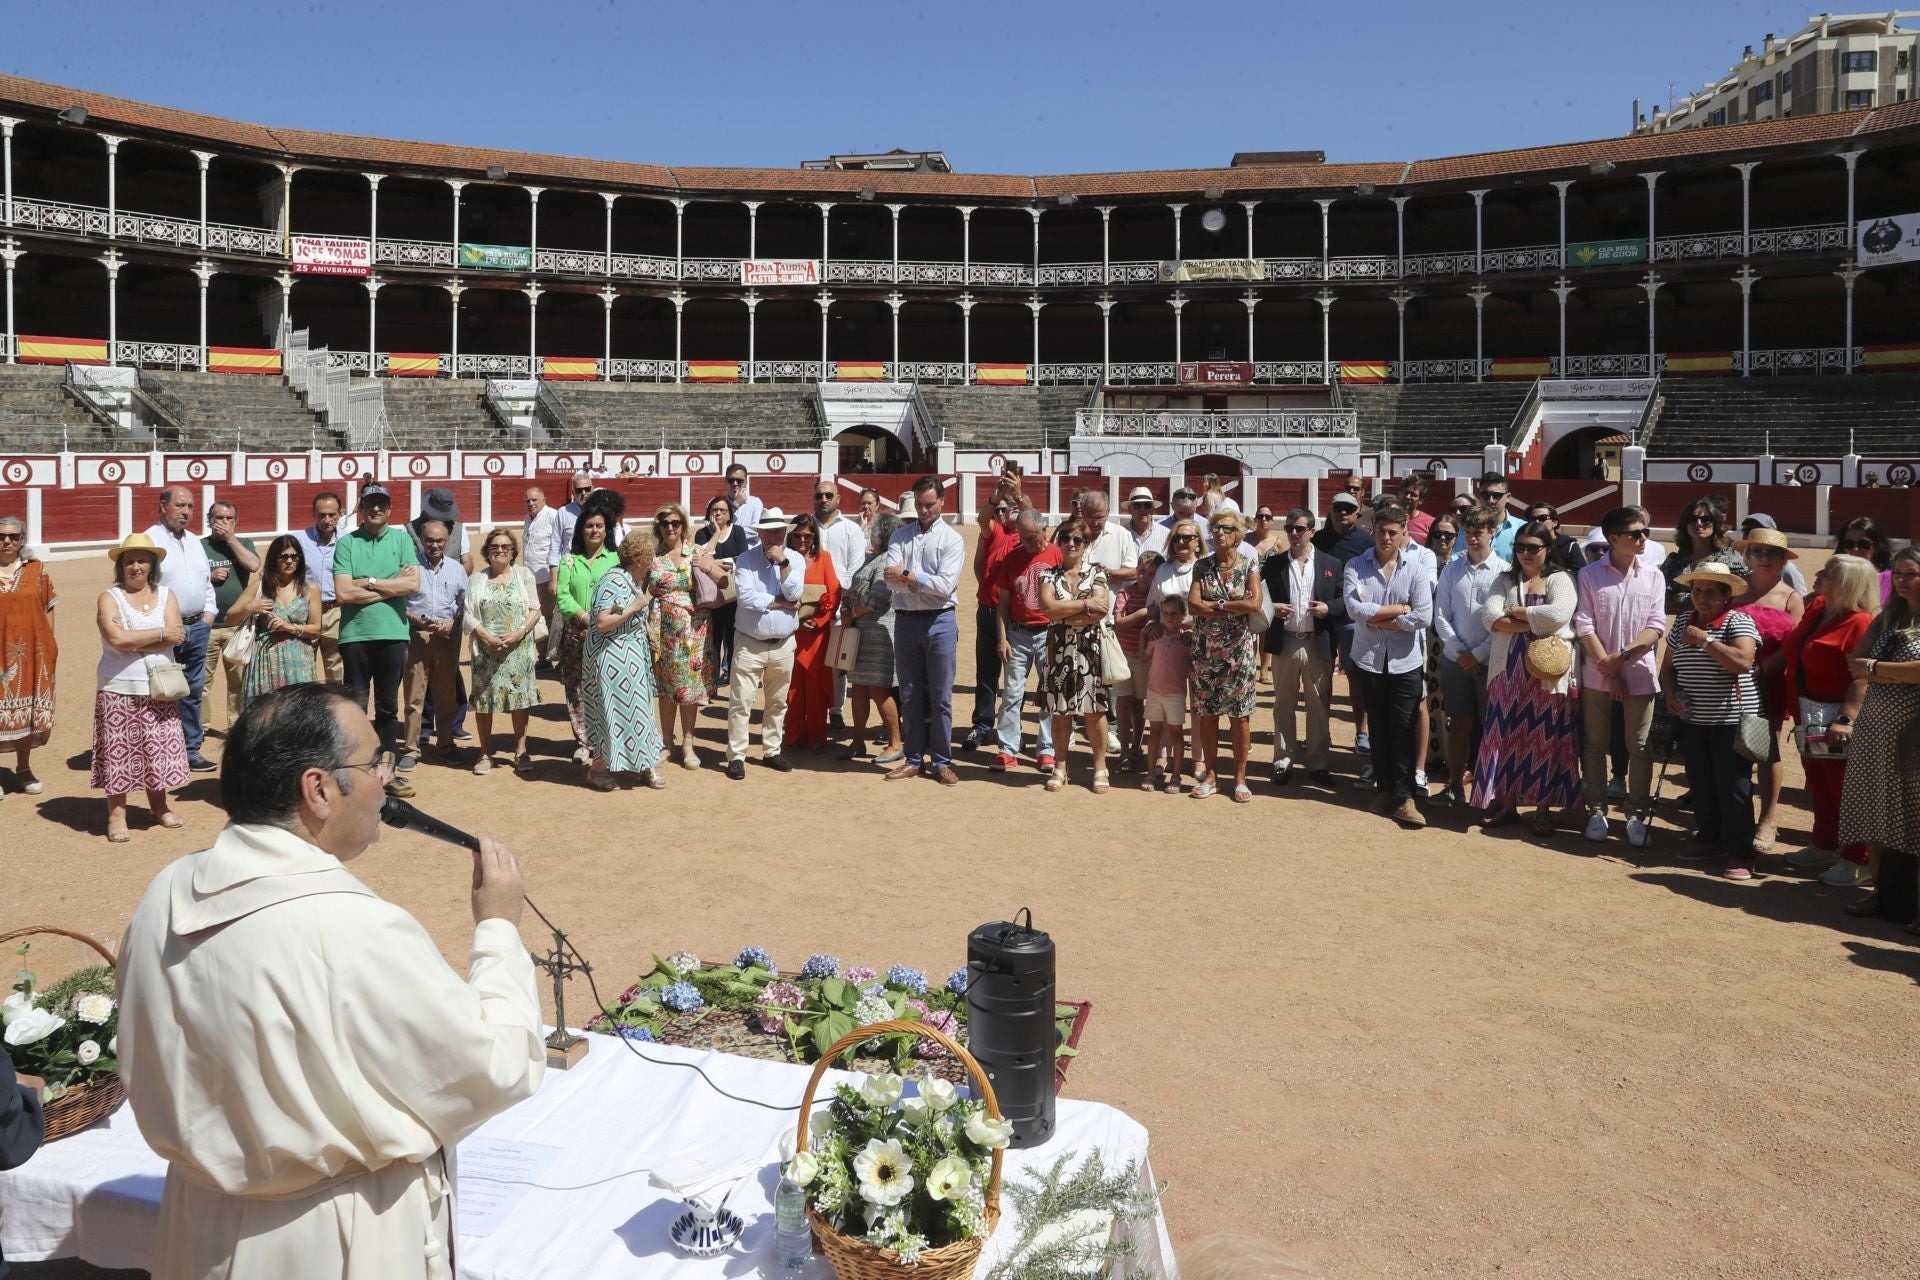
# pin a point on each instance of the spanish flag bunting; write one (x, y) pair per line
(1000, 375)
(1363, 371)
(1700, 364)
(860, 371)
(35, 350)
(1887, 359)
(713, 371)
(1522, 367)
(242, 360)
(569, 368)
(412, 365)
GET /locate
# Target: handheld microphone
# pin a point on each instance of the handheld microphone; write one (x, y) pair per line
(398, 813)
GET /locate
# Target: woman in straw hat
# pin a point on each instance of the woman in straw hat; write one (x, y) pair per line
(1776, 609)
(138, 744)
(1708, 676)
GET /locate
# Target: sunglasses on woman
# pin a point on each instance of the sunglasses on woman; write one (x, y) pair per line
(1529, 548)
(500, 549)
(1846, 544)
(1074, 540)
(673, 524)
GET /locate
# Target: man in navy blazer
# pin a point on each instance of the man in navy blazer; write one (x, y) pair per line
(1309, 609)
(22, 1126)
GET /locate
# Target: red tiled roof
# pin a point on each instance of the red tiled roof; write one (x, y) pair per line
(138, 118)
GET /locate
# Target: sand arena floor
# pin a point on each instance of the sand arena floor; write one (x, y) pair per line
(1436, 1054)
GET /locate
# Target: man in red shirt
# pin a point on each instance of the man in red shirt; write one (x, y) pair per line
(996, 539)
(1021, 629)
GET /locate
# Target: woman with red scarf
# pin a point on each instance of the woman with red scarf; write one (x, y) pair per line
(1823, 694)
(810, 696)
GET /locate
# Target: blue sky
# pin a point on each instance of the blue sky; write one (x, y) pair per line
(1001, 87)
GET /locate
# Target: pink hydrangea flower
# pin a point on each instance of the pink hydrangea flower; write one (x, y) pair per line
(939, 1021)
(859, 974)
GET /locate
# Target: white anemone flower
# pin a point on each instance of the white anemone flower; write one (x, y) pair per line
(13, 1006)
(803, 1168)
(939, 1094)
(88, 1053)
(32, 1026)
(914, 1111)
(882, 1091)
(885, 1172)
(949, 1179)
(989, 1131)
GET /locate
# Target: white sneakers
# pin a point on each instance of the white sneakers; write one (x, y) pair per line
(1637, 833)
(1420, 781)
(1597, 828)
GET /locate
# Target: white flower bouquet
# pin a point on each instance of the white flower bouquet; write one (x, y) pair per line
(906, 1175)
(65, 1036)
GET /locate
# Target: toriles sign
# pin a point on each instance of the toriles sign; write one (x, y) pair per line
(773, 271)
(1606, 253)
(332, 256)
(1228, 372)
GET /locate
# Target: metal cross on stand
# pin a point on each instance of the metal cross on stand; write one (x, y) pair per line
(564, 1049)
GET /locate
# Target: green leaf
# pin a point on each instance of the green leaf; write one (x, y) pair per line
(661, 966)
(1066, 1051)
(830, 1029)
(838, 992)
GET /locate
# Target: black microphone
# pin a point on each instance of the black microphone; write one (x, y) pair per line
(398, 813)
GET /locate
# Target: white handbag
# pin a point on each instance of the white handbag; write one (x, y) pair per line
(240, 645)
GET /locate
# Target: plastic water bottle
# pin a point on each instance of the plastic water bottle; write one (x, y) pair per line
(792, 1235)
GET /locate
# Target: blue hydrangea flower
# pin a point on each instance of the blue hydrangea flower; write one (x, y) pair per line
(912, 979)
(643, 1034)
(820, 965)
(874, 989)
(750, 956)
(682, 997)
(957, 981)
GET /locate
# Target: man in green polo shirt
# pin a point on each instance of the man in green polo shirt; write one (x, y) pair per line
(231, 564)
(374, 571)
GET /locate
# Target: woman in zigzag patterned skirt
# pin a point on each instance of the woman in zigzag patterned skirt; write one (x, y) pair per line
(1530, 754)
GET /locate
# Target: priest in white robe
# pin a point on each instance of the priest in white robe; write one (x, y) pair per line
(296, 1047)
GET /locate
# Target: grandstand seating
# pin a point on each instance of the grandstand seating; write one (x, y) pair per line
(651, 415)
(1004, 417)
(1810, 417)
(38, 416)
(435, 414)
(225, 411)
(1441, 417)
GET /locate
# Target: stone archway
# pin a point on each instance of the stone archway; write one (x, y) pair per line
(1591, 453)
(1220, 464)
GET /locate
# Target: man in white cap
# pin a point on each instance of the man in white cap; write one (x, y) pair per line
(772, 582)
(1148, 534)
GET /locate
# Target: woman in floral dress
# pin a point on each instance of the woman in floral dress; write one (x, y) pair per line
(284, 609)
(503, 608)
(618, 697)
(1226, 661)
(682, 674)
(28, 652)
(1530, 750)
(1074, 595)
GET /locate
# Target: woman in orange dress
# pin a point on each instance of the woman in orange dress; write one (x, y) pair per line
(810, 695)
(27, 653)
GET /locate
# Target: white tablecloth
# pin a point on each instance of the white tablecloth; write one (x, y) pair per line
(592, 1212)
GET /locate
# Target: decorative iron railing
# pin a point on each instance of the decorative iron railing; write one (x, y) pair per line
(1805, 360)
(1329, 423)
(483, 366)
(159, 355)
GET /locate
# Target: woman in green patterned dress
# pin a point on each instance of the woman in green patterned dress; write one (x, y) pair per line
(618, 694)
(1226, 664)
(283, 608)
(503, 607)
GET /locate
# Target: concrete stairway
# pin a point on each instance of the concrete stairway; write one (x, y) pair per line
(1436, 417)
(1005, 417)
(38, 416)
(647, 414)
(1741, 417)
(225, 411)
(428, 413)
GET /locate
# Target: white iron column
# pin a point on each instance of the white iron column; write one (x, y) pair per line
(1106, 244)
(6, 174)
(1848, 273)
(1326, 234)
(1034, 304)
(1652, 227)
(679, 299)
(1250, 300)
(1479, 294)
(1400, 236)
(204, 158)
(203, 271)
(826, 236)
(286, 206)
(112, 260)
(752, 300)
(454, 290)
(1179, 304)
(966, 333)
(753, 230)
(1746, 279)
(1176, 229)
(1106, 338)
(1400, 300)
(1561, 261)
(533, 225)
(9, 255)
(1325, 299)
(896, 301)
(113, 184)
(533, 291)
(1852, 159)
(1746, 206)
(1479, 231)
(895, 209)
(609, 197)
(373, 284)
(966, 244)
(373, 216)
(607, 295)
(679, 236)
(1563, 289)
(825, 303)
(1036, 244)
(1249, 206)
(1651, 283)
(456, 184)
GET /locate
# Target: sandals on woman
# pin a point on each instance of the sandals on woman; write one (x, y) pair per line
(1541, 824)
(1241, 794)
(1502, 817)
(653, 780)
(1202, 789)
(30, 784)
(689, 758)
(1153, 781)
(523, 764)
(1100, 783)
(483, 766)
(600, 780)
(1057, 779)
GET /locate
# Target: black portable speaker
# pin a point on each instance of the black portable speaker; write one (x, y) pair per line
(1010, 1025)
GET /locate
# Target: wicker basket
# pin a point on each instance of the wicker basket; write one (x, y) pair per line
(855, 1259)
(81, 1105)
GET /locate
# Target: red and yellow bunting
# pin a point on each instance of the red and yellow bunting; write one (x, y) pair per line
(713, 371)
(1515, 367)
(412, 364)
(1896, 358)
(860, 371)
(242, 360)
(1700, 364)
(38, 350)
(1001, 375)
(569, 368)
(1363, 371)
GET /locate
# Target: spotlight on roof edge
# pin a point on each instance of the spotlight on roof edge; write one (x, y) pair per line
(1600, 167)
(1363, 188)
(496, 173)
(867, 193)
(72, 115)
(1215, 193)
(1066, 198)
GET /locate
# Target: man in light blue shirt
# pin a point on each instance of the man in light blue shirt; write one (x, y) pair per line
(1466, 644)
(318, 541)
(1390, 599)
(924, 561)
(1492, 490)
(772, 581)
(434, 616)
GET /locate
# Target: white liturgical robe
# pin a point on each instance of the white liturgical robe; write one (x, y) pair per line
(301, 1055)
